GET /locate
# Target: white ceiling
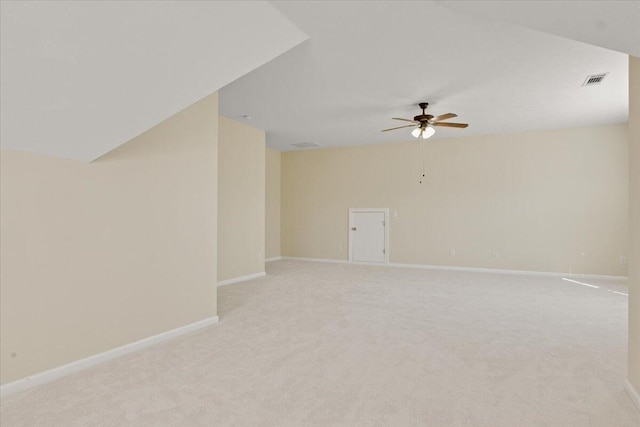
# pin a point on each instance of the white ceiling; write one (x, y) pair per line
(80, 78)
(611, 24)
(366, 62)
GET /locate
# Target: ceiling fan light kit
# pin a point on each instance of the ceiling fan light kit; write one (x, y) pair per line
(426, 132)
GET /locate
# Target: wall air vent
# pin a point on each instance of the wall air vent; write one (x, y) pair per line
(305, 145)
(594, 79)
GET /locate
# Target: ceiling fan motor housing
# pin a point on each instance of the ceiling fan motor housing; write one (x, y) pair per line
(423, 118)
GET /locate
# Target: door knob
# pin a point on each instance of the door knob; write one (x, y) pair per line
(353, 228)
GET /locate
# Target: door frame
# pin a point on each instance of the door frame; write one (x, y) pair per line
(386, 233)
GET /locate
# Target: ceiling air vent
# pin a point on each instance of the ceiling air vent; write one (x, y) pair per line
(305, 145)
(594, 79)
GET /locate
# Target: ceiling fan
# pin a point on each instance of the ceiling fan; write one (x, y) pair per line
(424, 123)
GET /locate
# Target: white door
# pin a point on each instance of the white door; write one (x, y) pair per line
(367, 236)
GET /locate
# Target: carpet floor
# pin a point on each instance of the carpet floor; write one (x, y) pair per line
(319, 344)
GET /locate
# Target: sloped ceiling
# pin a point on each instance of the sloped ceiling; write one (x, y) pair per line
(79, 78)
(366, 62)
(610, 24)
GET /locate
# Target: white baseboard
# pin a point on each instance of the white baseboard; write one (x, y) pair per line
(275, 258)
(295, 258)
(467, 269)
(241, 278)
(633, 393)
(504, 271)
(79, 365)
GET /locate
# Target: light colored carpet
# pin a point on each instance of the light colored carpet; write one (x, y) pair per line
(316, 344)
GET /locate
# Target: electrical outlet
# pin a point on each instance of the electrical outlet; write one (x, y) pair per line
(395, 214)
(452, 252)
(495, 255)
(340, 247)
(623, 260)
(259, 256)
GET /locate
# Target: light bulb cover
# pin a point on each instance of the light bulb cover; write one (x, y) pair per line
(416, 132)
(428, 132)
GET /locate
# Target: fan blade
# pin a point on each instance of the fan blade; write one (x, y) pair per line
(405, 120)
(444, 117)
(451, 125)
(399, 127)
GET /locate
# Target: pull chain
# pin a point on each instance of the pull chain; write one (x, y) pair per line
(421, 159)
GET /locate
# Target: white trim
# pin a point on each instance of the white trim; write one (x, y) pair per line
(275, 258)
(241, 278)
(503, 271)
(87, 362)
(295, 258)
(633, 393)
(468, 269)
(385, 211)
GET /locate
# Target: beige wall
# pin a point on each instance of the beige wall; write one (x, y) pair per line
(538, 199)
(98, 255)
(272, 231)
(241, 200)
(634, 224)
